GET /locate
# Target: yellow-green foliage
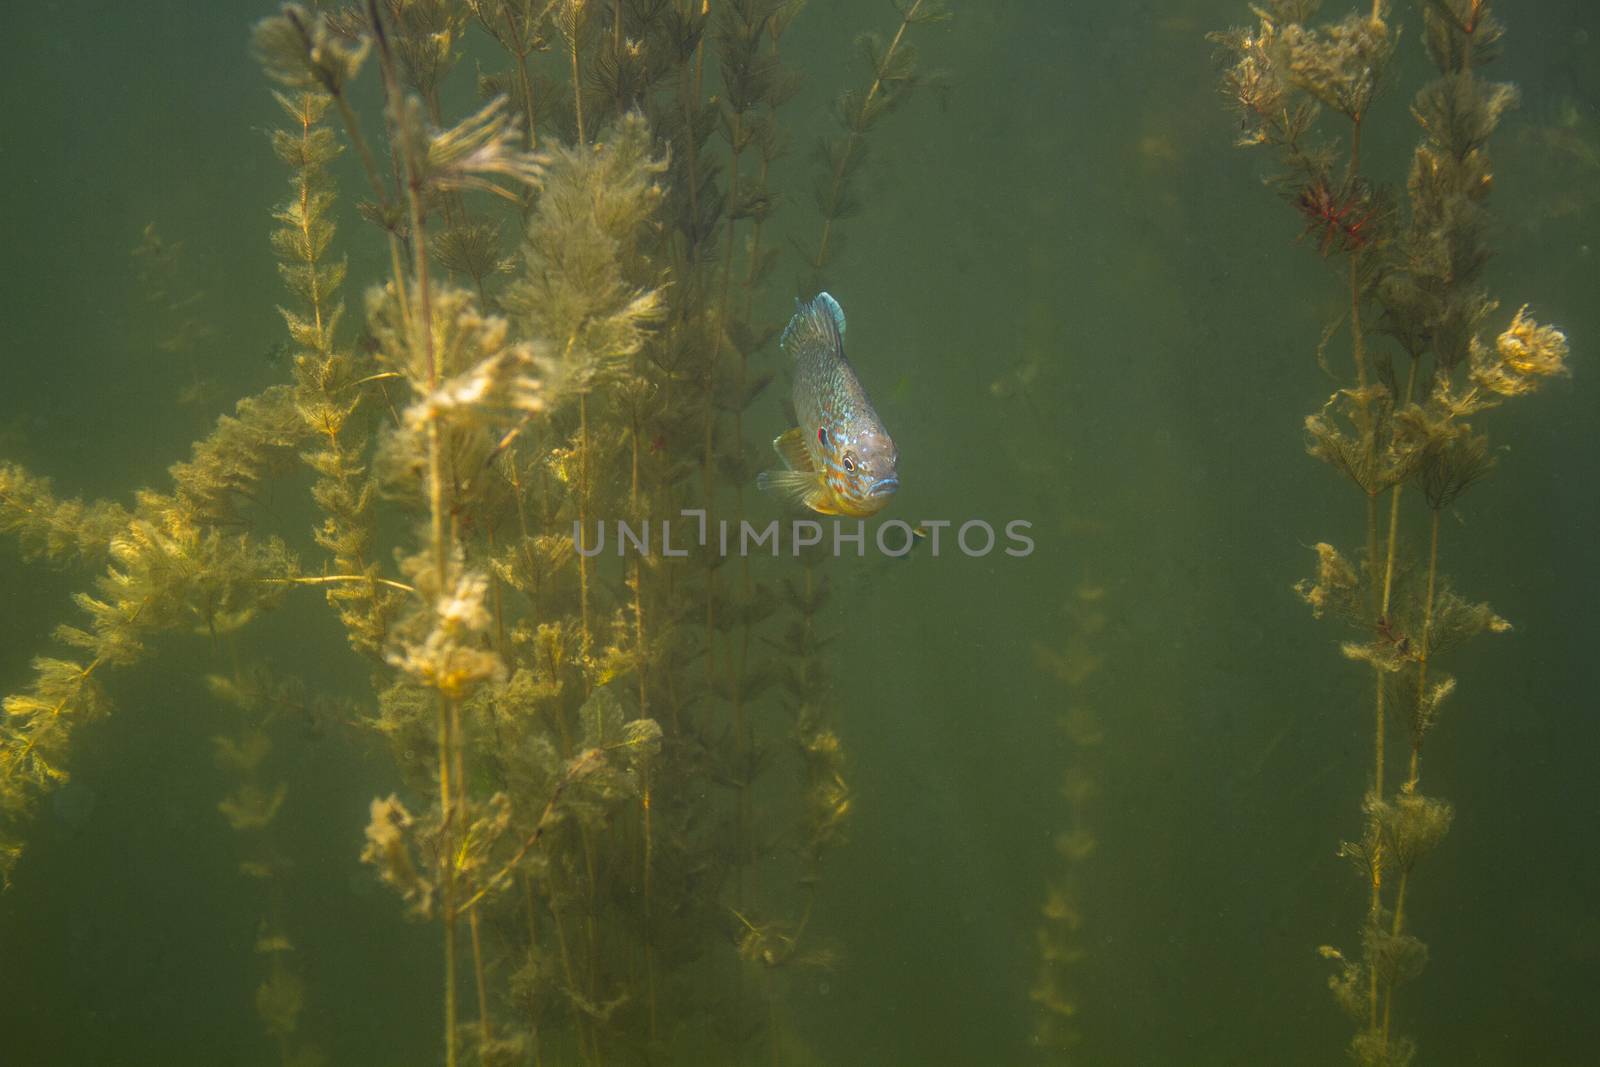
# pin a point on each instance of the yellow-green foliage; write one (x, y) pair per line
(175, 564)
(587, 289)
(258, 440)
(1407, 426)
(65, 531)
(894, 75)
(482, 385)
(807, 686)
(265, 705)
(327, 394)
(580, 739)
(309, 52)
(1061, 943)
(166, 572)
(305, 232)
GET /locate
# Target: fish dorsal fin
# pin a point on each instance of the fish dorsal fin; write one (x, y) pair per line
(827, 301)
(791, 447)
(819, 322)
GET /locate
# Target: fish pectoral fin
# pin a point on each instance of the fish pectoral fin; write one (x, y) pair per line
(791, 447)
(799, 488)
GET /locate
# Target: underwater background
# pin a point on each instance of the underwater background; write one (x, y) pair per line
(1072, 302)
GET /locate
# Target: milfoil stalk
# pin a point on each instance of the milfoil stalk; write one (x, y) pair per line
(854, 138)
(421, 330)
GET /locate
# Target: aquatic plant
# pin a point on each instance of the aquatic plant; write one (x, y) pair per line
(1388, 432)
(1061, 945)
(167, 567)
(894, 77)
(177, 309)
(268, 707)
(568, 329)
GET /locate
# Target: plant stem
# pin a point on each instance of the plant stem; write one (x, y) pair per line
(1358, 352)
(327, 579)
(1394, 513)
(577, 84)
(1410, 786)
(421, 331)
(583, 526)
(1423, 648)
(485, 1031)
(585, 1035)
(853, 138)
(84, 674)
(740, 727)
(447, 709)
(523, 81)
(649, 879)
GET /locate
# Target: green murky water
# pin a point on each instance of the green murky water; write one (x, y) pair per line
(1082, 806)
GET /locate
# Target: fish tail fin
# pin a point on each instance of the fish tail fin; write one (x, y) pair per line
(817, 323)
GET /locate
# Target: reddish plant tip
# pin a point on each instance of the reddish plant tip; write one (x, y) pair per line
(1341, 220)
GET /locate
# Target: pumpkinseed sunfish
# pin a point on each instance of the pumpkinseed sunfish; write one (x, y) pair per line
(839, 460)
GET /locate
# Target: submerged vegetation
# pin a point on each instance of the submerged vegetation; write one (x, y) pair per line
(1061, 939)
(1406, 431)
(533, 259)
(595, 759)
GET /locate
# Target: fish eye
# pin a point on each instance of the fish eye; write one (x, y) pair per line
(849, 463)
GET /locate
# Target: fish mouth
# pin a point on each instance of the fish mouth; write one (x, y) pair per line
(883, 486)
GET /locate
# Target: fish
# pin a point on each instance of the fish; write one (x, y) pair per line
(839, 460)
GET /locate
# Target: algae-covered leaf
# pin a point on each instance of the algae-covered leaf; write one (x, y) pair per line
(390, 835)
(587, 286)
(482, 147)
(279, 1000)
(1524, 355)
(272, 943)
(304, 51)
(63, 531)
(1076, 845)
(641, 739)
(1384, 655)
(241, 754)
(251, 807)
(602, 718)
(10, 853)
(1411, 826)
(1336, 587)
(1456, 619)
